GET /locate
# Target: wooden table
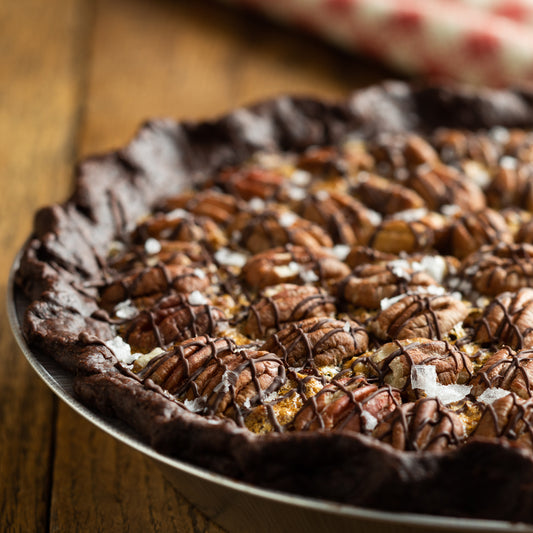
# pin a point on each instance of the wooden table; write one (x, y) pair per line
(77, 77)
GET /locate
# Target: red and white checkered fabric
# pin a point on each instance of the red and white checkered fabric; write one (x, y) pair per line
(481, 41)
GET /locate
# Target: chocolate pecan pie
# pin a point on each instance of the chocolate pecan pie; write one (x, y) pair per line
(333, 299)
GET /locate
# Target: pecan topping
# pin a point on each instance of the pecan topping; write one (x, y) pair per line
(347, 220)
(322, 162)
(472, 230)
(293, 264)
(369, 284)
(274, 227)
(512, 186)
(289, 304)
(154, 281)
(216, 205)
(347, 404)
(217, 376)
(317, 342)
(250, 182)
(361, 255)
(442, 185)
(172, 319)
(510, 418)
(186, 229)
(508, 370)
(396, 235)
(499, 268)
(386, 196)
(508, 319)
(422, 425)
(393, 362)
(419, 315)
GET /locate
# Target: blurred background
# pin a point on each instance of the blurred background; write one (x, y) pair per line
(79, 76)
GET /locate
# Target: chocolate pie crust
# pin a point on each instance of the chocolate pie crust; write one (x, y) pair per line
(63, 267)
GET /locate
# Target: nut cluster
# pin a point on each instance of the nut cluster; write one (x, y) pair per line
(383, 286)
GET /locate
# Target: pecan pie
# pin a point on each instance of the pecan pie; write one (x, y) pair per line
(332, 299)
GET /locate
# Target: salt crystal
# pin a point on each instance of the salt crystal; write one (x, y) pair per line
(116, 247)
(508, 162)
(199, 273)
(450, 210)
(236, 235)
(300, 178)
(287, 219)
(152, 246)
(296, 194)
(347, 327)
(177, 213)
(500, 134)
(256, 204)
(197, 405)
(374, 217)
(341, 251)
(125, 310)
(424, 377)
(387, 302)
(433, 290)
(308, 276)
(287, 271)
(370, 421)
(435, 266)
(477, 173)
(227, 257)
(122, 350)
(322, 195)
(491, 395)
(400, 267)
(197, 298)
(411, 215)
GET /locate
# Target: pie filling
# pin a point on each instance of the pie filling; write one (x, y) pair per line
(383, 286)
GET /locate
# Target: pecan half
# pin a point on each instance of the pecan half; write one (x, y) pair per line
(317, 342)
(347, 220)
(422, 425)
(512, 185)
(499, 268)
(154, 281)
(396, 235)
(209, 203)
(419, 315)
(250, 182)
(172, 319)
(509, 418)
(275, 227)
(506, 369)
(216, 376)
(324, 162)
(369, 284)
(456, 145)
(347, 404)
(293, 264)
(361, 255)
(385, 196)
(508, 319)
(392, 363)
(289, 304)
(472, 230)
(442, 185)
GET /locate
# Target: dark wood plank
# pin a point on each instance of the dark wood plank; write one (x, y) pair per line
(40, 82)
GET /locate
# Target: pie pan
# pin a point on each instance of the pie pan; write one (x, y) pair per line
(234, 505)
(62, 319)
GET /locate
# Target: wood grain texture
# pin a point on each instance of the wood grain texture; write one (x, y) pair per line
(40, 77)
(78, 77)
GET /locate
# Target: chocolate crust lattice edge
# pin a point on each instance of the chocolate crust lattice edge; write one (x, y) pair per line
(61, 267)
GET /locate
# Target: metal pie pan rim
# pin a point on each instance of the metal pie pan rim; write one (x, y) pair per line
(128, 437)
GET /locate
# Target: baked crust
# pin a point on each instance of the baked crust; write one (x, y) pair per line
(62, 272)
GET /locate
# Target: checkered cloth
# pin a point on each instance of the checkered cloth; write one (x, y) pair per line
(478, 41)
